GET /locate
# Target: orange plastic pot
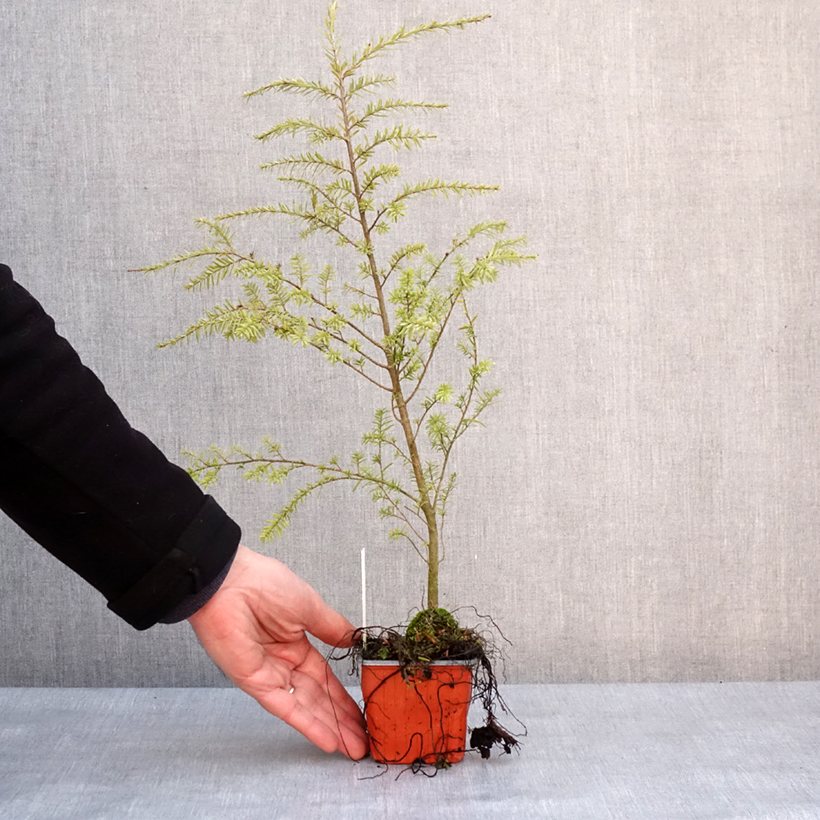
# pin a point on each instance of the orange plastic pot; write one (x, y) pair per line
(417, 717)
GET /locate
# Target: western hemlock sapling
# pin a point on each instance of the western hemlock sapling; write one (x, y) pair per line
(383, 313)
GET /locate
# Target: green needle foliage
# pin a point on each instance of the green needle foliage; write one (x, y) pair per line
(383, 316)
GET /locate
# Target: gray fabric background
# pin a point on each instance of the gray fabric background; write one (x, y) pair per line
(643, 505)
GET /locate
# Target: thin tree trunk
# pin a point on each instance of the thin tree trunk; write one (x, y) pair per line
(433, 553)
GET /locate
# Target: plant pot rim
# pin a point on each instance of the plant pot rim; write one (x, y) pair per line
(454, 662)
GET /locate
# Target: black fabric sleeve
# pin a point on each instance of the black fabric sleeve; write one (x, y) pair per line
(93, 491)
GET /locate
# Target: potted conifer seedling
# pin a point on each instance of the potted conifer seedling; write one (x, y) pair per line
(385, 314)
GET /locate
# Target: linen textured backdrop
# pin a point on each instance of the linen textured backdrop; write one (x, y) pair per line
(643, 504)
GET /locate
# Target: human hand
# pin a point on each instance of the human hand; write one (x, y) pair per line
(254, 630)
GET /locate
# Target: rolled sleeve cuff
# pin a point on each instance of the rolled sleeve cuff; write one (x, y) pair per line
(202, 554)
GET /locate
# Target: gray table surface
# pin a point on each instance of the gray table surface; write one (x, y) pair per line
(659, 751)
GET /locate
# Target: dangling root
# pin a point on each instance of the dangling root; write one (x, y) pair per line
(484, 738)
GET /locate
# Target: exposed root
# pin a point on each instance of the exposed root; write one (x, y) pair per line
(484, 738)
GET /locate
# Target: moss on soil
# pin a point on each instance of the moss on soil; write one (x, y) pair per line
(432, 635)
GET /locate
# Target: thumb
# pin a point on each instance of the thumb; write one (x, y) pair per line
(328, 625)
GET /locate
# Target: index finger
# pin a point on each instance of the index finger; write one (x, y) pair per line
(287, 707)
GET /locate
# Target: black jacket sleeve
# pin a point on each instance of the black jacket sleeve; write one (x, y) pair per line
(93, 491)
